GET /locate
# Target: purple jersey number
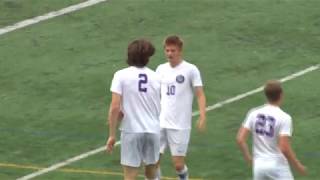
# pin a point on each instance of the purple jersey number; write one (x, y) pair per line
(143, 79)
(171, 90)
(265, 125)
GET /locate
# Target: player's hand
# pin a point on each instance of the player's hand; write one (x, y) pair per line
(110, 144)
(301, 169)
(202, 124)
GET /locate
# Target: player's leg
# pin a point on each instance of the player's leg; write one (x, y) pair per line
(131, 154)
(163, 147)
(130, 173)
(151, 172)
(181, 167)
(150, 151)
(178, 142)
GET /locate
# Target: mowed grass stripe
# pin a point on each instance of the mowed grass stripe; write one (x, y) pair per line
(50, 15)
(12, 11)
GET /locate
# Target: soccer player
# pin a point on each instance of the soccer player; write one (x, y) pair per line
(180, 80)
(136, 97)
(271, 129)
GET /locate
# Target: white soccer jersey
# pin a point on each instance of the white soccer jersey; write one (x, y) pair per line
(267, 123)
(177, 89)
(140, 91)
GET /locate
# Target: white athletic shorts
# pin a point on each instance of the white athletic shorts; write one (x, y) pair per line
(177, 140)
(270, 169)
(137, 148)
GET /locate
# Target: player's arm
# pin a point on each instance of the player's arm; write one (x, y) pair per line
(201, 124)
(114, 115)
(242, 143)
(285, 147)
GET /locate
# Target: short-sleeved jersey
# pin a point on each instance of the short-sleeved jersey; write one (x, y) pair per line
(177, 91)
(267, 123)
(140, 92)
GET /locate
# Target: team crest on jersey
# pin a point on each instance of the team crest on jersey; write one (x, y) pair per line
(180, 79)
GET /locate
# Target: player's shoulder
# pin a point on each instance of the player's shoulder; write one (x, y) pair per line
(189, 65)
(122, 71)
(285, 115)
(162, 66)
(256, 110)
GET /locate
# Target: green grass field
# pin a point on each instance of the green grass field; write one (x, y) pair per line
(55, 76)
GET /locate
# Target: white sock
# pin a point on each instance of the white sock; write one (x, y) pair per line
(158, 173)
(183, 174)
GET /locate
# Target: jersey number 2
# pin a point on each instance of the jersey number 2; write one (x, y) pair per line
(143, 79)
(265, 125)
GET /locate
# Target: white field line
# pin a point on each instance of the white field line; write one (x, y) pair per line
(35, 20)
(64, 163)
(259, 89)
(209, 108)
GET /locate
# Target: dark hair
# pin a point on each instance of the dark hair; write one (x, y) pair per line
(273, 90)
(174, 40)
(139, 52)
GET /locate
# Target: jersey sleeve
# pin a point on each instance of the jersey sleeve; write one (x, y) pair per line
(248, 122)
(116, 86)
(196, 77)
(286, 127)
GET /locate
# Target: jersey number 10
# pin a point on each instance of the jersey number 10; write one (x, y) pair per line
(171, 90)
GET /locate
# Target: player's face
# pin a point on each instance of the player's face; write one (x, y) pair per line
(173, 53)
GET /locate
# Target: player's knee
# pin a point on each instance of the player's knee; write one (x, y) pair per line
(179, 166)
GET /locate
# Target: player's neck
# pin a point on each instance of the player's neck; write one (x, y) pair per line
(139, 67)
(276, 104)
(175, 63)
